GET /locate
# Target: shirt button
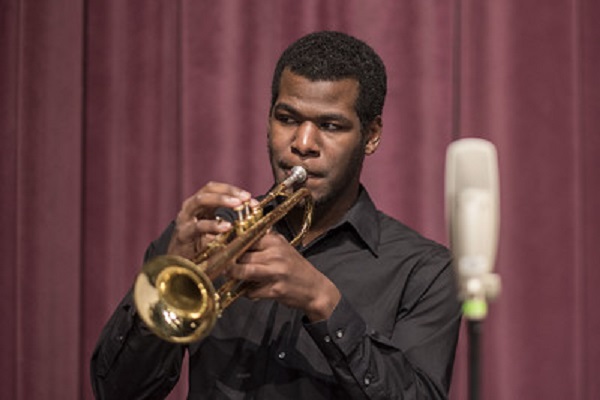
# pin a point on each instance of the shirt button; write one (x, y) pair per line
(281, 355)
(367, 380)
(327, 339)
(339, 333)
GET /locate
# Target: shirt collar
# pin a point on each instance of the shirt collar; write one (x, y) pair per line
(363, 217)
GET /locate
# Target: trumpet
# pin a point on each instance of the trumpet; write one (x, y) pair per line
(178, 298)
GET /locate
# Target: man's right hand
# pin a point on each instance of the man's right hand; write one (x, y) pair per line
(196, 224)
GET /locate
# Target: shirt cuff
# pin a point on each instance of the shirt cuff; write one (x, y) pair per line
(339, 335)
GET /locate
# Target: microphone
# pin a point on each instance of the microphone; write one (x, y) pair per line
(473, 219)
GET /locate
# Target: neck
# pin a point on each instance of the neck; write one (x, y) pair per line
(324, 217)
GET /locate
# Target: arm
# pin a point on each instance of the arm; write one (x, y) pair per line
(414, 362)
(129, 361)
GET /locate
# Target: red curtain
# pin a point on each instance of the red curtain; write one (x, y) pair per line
(112, 112)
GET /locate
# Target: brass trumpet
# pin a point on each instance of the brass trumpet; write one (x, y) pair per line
(177, 298)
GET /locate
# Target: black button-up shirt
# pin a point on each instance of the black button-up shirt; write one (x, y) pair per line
(392, 336)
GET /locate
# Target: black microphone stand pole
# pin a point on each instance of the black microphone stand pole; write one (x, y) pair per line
(475, 310)
(474, 333)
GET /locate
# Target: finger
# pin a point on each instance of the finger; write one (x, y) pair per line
(213, 226)
(259, 291)
(212, 196)
(186, 230)
(202, 205)
(252, 272)
(204, 230)
(207, 238)
(270, 240)
(251, 257)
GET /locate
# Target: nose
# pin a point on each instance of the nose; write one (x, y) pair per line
(306, 140)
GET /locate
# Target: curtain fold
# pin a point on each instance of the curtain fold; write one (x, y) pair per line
(41, 124)
(113, 112)
(587, 348)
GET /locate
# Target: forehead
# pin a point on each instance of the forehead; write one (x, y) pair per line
(305, 95)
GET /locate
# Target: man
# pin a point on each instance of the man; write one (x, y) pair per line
(363, 308)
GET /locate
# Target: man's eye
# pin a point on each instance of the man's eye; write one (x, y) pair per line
(330, 126)
(286, 119)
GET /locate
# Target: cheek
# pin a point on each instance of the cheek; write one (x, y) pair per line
(276, 141)
(342, 155)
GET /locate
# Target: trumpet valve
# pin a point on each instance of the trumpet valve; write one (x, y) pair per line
(257, 213)
(247, 216)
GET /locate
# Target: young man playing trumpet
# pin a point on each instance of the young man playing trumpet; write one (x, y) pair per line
(362, 308)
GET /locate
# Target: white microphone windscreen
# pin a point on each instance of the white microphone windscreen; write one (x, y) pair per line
(472, 205)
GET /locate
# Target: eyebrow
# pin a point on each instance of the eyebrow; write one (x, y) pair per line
(321, 117)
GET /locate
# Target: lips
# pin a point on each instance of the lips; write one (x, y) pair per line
(287, 168)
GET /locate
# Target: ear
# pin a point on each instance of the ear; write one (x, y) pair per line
(373, 135)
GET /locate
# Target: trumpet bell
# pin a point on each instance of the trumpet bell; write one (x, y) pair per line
(176, 299)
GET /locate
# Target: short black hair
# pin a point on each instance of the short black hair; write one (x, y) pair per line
(330, 56)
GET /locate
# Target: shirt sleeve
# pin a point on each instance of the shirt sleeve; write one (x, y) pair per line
(129, 361)
(416, 361)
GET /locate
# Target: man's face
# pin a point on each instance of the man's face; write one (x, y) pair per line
(315, 125)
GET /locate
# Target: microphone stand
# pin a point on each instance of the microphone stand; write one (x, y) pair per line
(474, 328)
(478, 290)
(474, 348)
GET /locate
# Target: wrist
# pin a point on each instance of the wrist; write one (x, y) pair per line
(322, 306)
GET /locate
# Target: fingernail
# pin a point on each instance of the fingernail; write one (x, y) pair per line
(224, 225)
(234, 201)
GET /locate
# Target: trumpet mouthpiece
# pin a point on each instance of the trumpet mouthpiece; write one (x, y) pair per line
(298, 175)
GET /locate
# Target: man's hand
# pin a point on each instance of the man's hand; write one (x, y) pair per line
(282, 274)
(196, 224)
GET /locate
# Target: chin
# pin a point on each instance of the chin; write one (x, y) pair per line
(322, 199)
(316, 194)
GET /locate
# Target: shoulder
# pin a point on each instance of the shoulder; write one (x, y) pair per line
(396, 237)
(426, 264)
